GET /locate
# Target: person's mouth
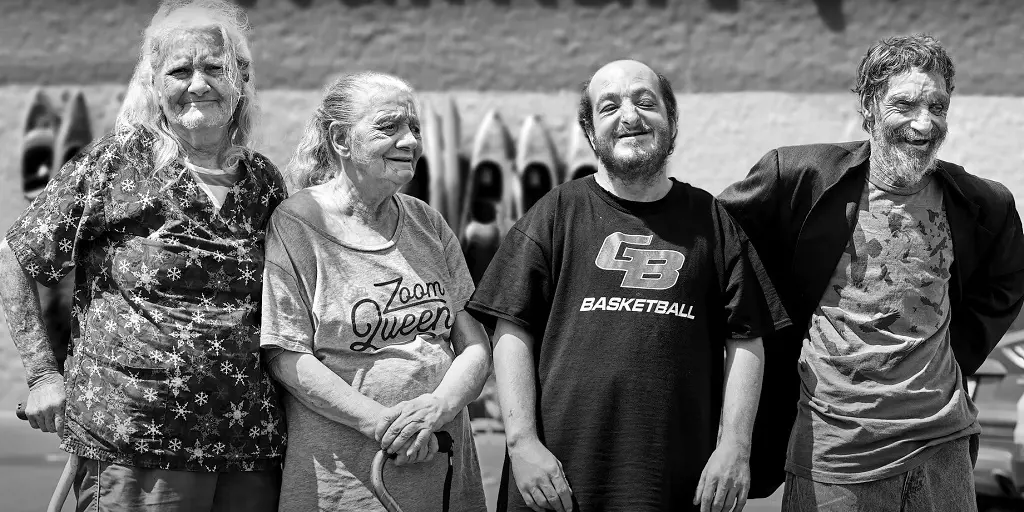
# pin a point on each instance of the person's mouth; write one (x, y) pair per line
(400, 160)
(919, 143)
(634, 134)
(199, 103)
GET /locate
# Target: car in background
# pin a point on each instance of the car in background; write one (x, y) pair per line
(997, 389)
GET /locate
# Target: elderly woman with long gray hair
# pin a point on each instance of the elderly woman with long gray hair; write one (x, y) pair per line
(164, 400)
(363, 314)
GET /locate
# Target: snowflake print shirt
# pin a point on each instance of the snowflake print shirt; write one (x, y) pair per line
(166, 369)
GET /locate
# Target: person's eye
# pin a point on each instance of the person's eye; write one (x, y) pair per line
(414, 128)
(179, 72)
(646, 103)
(215, 70)
(388, 128)
(938, 109)
(607, 108)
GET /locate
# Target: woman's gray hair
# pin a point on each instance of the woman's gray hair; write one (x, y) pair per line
(314, 162)
(141, 107)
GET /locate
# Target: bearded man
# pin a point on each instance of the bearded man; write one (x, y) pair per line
(623, 304)
(900, 273)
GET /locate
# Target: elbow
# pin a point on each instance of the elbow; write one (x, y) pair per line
(284, 370)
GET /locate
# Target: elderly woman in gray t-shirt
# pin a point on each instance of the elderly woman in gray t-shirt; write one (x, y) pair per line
(363, 320)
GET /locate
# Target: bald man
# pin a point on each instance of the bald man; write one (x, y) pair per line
(623, 303)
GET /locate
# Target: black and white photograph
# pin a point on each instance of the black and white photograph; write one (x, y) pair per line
(511, 255)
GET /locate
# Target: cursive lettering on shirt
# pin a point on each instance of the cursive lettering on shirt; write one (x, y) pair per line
(395, 317)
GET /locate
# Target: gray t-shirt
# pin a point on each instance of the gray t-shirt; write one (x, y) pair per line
(880, 387)
(381, 318)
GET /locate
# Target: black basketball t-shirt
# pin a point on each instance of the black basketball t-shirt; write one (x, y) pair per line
(630, 304)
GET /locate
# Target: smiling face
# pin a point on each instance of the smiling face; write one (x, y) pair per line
(192, 81)
(632, 134)
(909, 125)
(385, 143)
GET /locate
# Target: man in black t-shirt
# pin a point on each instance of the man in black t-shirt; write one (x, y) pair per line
(613, 301)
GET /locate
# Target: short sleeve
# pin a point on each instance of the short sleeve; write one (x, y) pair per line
(462, 283)
(752, 306)
(287, 321)
(48, 235)
(516, 286)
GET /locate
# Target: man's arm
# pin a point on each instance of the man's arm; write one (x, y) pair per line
(726, 477)
(45, 406)
(992, 297)
(755, 203)
(537, 472)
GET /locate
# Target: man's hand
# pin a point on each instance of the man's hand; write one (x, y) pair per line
(45, 405)
(407, 427)
(540, 478)
(725, 480)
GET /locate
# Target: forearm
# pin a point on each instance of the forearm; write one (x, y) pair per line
(24, 318)
(515, 378)
(744, 369)
(465, 378)
(323, 391)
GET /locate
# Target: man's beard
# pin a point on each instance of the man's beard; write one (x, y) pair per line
(641, 164)
(900, 164)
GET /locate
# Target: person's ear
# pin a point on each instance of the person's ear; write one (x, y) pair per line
(339, 140)
(868, 108)
(590, 139)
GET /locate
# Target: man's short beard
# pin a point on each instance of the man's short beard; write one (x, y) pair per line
(902, 166)
(644, 165)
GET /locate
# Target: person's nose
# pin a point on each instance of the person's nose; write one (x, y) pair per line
(628, 114)
(198, 84)
(408, 140)
(922, 122)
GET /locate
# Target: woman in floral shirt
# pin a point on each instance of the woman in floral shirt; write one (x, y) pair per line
(163, 221)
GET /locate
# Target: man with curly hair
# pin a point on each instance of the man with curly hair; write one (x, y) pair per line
(900, 273)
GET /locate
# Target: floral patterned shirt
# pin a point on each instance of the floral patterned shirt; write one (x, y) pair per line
(165, 369)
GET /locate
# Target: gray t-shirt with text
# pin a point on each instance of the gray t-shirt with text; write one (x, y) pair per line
(381, 318)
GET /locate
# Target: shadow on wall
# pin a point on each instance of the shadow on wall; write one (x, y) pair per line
(426, 3)
(831, 11)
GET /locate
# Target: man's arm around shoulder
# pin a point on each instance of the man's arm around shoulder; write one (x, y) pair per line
(992, 297)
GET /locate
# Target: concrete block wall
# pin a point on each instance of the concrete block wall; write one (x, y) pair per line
(535, 45)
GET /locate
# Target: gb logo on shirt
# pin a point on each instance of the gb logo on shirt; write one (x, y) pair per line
(649, 269)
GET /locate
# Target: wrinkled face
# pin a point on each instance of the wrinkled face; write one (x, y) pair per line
(910, 124)
(192, 82)
(632, 135)
(385, 143)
